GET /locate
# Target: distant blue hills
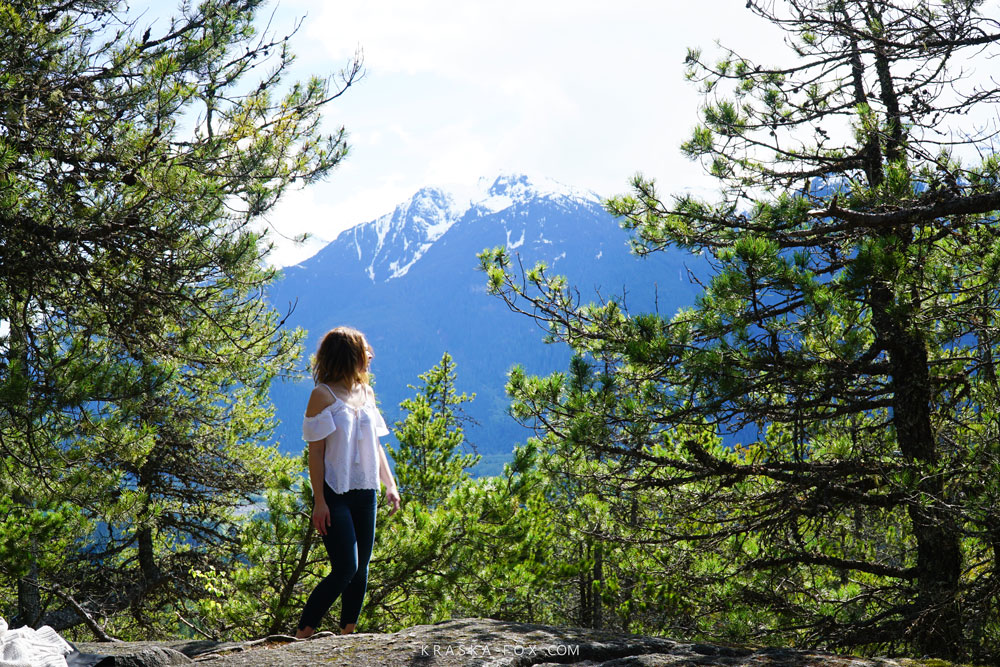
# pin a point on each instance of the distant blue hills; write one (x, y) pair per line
(410, 281)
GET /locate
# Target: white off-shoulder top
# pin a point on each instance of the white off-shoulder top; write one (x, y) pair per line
(351, 435)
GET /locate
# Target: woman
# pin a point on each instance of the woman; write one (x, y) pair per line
(346, 462)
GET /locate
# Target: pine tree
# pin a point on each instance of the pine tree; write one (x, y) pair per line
(846, 340)
(427, 461)
(415, 561)
(136, 345)
(280, 559)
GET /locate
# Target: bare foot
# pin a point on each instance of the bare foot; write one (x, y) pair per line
(347, 629)
(304, 633)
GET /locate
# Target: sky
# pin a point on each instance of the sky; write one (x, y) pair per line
(581, 91)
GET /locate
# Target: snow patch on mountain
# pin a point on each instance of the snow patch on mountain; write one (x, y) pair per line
(398, 271)
(495, 203)
(516, 244)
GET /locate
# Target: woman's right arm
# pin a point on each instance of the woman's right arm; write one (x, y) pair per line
(318, 401)
(317, 473)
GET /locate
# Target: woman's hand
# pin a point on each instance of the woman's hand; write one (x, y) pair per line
(321, 517)
(392, 497)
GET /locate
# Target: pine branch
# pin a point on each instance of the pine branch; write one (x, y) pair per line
(969, 205)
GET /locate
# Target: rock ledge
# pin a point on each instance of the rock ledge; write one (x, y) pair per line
(474, 642)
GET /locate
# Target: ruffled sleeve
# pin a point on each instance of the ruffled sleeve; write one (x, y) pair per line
(380, 428)
(318, 426)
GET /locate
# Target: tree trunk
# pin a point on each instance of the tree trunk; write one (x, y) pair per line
(599, 579)
(29, 598)
(29, 602)
(936, 624)
(147, 555)
(586, 591)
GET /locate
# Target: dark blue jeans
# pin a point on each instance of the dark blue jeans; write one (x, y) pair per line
(348, 540)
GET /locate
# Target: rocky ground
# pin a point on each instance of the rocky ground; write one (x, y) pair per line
(472, 642)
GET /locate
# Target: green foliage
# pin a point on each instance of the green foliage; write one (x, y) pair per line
(427, 463)
(844, 347)
(539, 543)
(136, 347)
(279, 560)
(458, 546)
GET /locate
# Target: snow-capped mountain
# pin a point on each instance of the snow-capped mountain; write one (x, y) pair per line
(410, 281)
(394, 242)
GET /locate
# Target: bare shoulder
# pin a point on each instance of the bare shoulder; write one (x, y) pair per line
(319, 400)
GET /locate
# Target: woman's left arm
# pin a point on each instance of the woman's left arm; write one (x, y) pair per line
(385, 474)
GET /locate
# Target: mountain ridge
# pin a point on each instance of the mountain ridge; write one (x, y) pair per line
(426, 216)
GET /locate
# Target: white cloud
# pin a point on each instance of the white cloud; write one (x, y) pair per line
(582, 91)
